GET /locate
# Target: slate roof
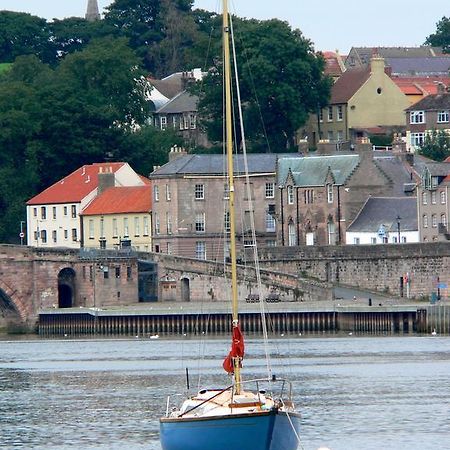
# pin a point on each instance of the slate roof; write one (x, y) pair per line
(121, 200)
(434, 102)
(207, 164)
(438, 65)
(397, 172)
(348, 84)
(313, 170)
(439, 169)
(183, 102)
(365, 53)
(74, 187)
(384, 211)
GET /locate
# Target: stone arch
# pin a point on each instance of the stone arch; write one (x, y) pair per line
(185, 290)
(66, 288)
(10, 302)
(8, 310)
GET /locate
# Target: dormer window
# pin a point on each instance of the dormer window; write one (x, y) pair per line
(417, 117)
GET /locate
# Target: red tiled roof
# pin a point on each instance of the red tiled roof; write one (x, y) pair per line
(74, 187)
(121, 200)
(420, 85)
(348, 84)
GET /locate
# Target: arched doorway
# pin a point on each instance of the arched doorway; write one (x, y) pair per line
(185, 290)
(66, 288)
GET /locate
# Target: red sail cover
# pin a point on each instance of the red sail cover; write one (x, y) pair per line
(237, 349)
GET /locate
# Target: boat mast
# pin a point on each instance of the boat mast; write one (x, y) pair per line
(229, 150)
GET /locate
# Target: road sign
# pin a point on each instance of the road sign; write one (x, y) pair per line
(21, 234)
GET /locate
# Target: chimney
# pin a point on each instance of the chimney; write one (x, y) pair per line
(106, 179)
(441, 88)
(176, 152)
(92, 13)
(376, 64)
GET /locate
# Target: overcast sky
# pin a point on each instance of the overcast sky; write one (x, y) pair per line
(329, 24)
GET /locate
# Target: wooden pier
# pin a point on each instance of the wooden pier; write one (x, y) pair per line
(161, 319)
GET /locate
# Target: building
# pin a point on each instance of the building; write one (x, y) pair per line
(364, 101)
(190, 204)
(92, 12)
(53, 215)
(416, 88)
(319, 196)
(385, 220)
(432, 113)
(118, 217)
(433, 205)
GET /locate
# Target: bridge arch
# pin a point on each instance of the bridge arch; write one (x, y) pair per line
(66, 288)
(11, 305)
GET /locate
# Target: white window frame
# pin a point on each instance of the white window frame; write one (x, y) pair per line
(417, 139)
(200, 225)
(199, 192)
(433, 197)
(425, 221)
(137, 226)
(226, 221)
(145, 223)
(292, 235)
(270, 223)
(330, 114)
(169, 223)
(417, 117)
(156, 193)
(442, 195)
(424, 198)
(443, 220)
(290, 195)
(434, 222)
(200, 250)
(443, 116)
(168, 194)
(270, 190)
(115, 229)
(91, 229)
(340, 113)
(157, 226)
(193, 121)
(126, 229)
(329, 193)
(163, 122)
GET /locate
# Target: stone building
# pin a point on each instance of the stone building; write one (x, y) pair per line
(319, 196)
(433, 202)
(92, 12)
(190, 204)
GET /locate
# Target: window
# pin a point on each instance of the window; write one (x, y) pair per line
(321, 115)
(199, 192)
(43, 212)
(126, 231)
(373, 240)
(417, 139)
(417, 117)
(117, 272)
(442, 195)
(404, 239)
(91, 228)
(340, 113)
(115, 229)
(331, 229)
(74, 235)
(66, 234)
(192, 121)
(200, 222)
(102, 227)
(433, 197)
(36, 235)
(271, 243)
(145, 226)
(44, 236)
(424, 198)
(434, 221)
(168, 223)
(129, 272)
(425, 221)
(186, 122)
(156, 193)
(105, 272)
(65, 210)
(54, 212)
(292, 235)
(226, 221)
(157, 229)
(169, 248)
(443, 220)
(54, 236)
(200, 250)
(163, 122)
(330, 114)
(330, 135)
(290, 195)
(174, 121)
(168, 196)
(356, 241)
(442, 116)
(329, 193)
(308, 196)
(73, 208)
(270, 190)
(226, 191)
(34, 212)
(137, 226)
(270, 222)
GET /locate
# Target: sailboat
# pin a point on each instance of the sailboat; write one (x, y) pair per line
(246, 415)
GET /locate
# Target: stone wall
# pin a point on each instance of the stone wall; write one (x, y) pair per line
(382, 268)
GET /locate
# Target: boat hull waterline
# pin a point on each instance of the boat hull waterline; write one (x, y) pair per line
(268, 430)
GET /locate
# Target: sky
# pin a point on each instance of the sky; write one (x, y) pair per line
(329, 24)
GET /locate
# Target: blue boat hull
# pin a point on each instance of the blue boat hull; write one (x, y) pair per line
(269, 430)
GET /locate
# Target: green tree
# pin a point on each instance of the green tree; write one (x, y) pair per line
(442, 36)
(436, 145)
(23, 34)
(281, 81)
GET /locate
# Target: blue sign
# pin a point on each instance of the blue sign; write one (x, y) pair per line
(382, 231)
(442, 286)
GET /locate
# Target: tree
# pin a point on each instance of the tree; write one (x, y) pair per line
(23, 34)
(281, 81)
(442, 36)
(436, 145)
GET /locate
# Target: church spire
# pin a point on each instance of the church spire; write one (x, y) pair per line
(92, 13)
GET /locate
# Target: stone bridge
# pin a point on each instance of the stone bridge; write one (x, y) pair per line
(32, 279)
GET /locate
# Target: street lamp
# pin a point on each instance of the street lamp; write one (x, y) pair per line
(398, 228)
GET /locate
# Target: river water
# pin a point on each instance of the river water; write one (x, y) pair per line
(355, 393)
